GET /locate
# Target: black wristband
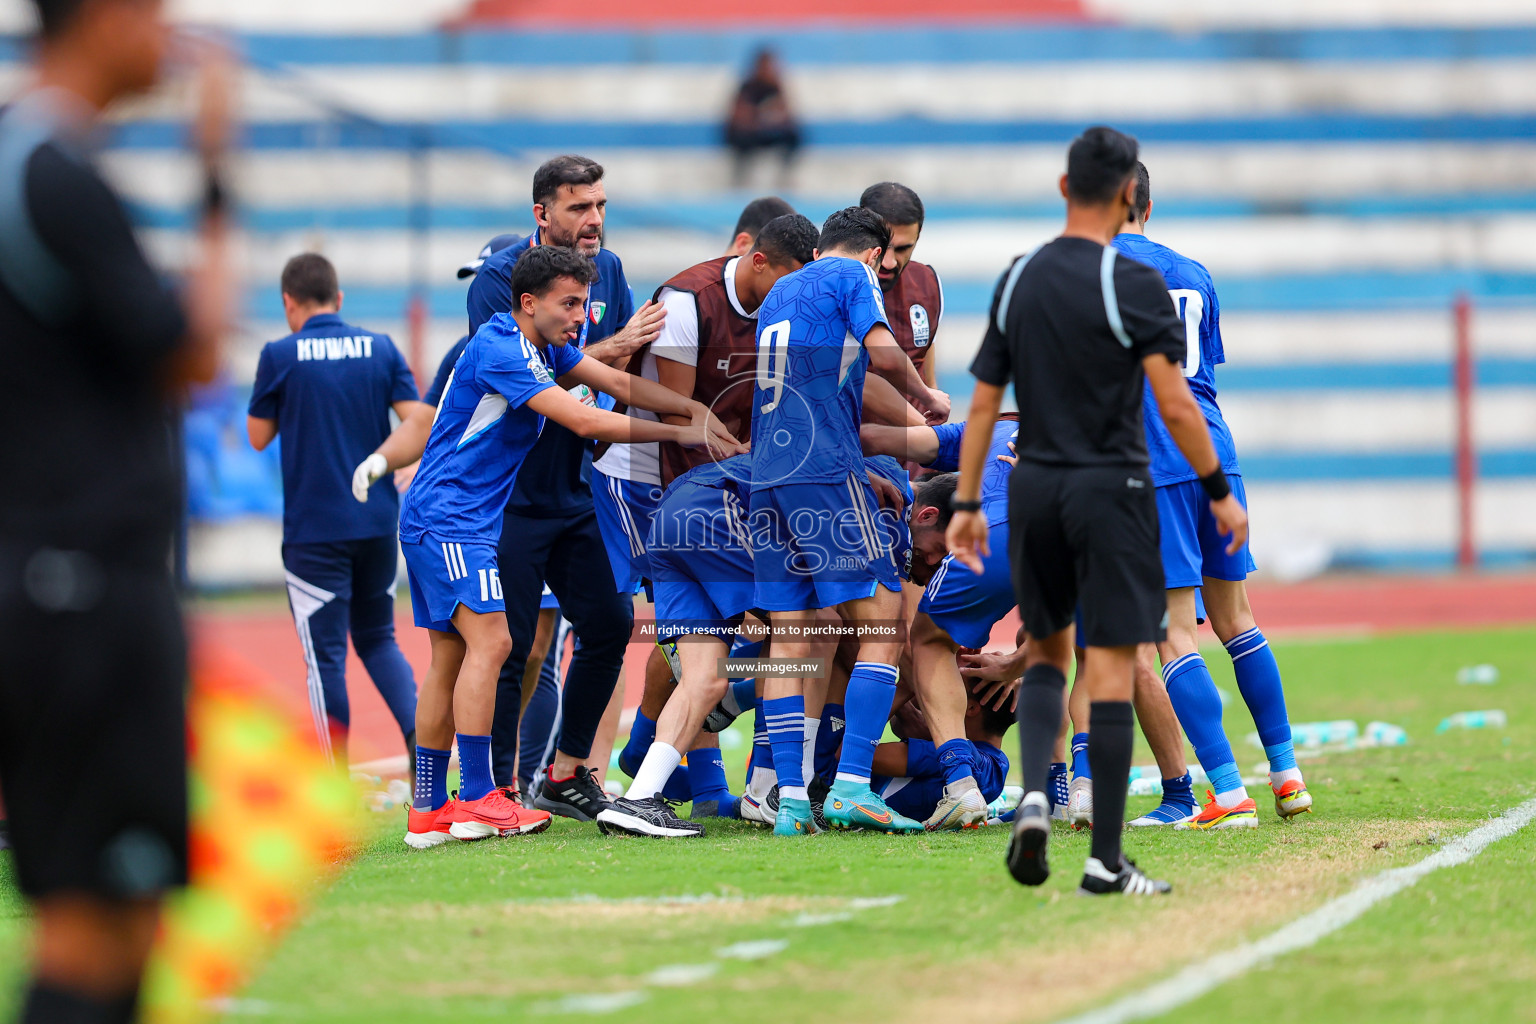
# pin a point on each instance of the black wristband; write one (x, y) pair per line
(956, 505)
(1216, 486)
(215, 198)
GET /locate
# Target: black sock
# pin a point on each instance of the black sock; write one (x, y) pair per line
(47, 1004)
(1111, 731)
(1040, 699)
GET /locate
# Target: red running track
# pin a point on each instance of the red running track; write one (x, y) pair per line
(264, 641)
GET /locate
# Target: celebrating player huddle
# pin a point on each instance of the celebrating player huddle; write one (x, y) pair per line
(778, 473)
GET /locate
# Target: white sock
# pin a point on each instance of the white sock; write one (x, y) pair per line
(793, 793)
(1232, 796)
(808, 760)
(1280, 778)
(659, 764)
(763, 779)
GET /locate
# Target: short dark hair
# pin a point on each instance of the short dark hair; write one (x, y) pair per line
(756, 214)
(787, 240)
(310, 279)
(854, 229)
(54, 15)
(994, 721)
(1098, 163)
(938, 491)
(542, 265)
(1143, 200)
(563, 170)
(895, 202)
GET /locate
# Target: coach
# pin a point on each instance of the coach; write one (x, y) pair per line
(93, 668)
(550, 532)
(1078, 329)
(328, 389)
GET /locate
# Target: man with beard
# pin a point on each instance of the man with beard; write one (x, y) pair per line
(914, 299)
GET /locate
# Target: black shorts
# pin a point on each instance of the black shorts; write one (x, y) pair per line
(1087, 538)
(93, 755)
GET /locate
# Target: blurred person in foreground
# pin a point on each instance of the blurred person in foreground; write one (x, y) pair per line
(93, 679)
(760, 118)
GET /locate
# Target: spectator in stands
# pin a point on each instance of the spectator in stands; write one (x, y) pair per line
(760, 118)
(328, 389)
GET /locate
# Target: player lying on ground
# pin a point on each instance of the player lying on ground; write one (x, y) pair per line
(1195, 556)
(911, 775)
(492, 411)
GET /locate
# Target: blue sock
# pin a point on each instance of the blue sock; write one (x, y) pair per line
(431, 779)
(706, 771)
(829, 739)
(741, 647)
(785, 717)
(867, 706)
(1080, 756)
(762, 751)
(955, 757)
(743, 694)
(641, 735)
(679, 785)
(474, 767)
(1258, 680)
(1195, 700)
(1179, 791)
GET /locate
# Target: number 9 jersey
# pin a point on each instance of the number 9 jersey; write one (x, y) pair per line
(1193, 294)
(809, 391)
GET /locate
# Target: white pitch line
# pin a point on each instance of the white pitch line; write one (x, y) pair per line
(1198, 979)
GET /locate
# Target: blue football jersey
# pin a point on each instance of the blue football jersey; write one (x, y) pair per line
(809, 392)
(330, 386)
(994, 478)
(1190, 285)
(894, 528)
(482, 434)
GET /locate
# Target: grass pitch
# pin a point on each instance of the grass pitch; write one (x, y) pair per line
(739, 926)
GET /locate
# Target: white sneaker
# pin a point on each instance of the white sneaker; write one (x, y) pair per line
(752, 808)
(962, 805)
(1080, 803)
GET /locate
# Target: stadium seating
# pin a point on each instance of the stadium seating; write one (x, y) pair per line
(1343, 185)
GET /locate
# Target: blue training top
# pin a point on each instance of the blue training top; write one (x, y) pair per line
(1194, 294)
(554, 481)
(329, 386)
(482, 435)
(808, 397)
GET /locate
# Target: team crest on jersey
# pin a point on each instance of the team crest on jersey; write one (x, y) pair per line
(920, 330)
(597, 311)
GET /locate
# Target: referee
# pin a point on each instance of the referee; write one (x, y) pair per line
(93, 668)
(1078, 329)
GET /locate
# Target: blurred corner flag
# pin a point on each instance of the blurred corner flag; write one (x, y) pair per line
(271, 822)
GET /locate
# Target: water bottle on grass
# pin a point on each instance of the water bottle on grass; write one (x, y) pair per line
(1474, 720)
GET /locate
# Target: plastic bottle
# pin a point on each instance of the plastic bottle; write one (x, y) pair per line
(1145, 786)
(1474, 720)
(1006, 800)
(1316, 734)
(1478, 675)
(1145, 771)
(1384, 734)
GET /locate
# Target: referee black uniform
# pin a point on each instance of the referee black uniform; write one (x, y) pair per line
(1070, 326)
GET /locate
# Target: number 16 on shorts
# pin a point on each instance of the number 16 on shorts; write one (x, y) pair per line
(490, 585)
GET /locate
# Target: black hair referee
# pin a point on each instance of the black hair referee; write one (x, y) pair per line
(92, 655)
(1078, 328)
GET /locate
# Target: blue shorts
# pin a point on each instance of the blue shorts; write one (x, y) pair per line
(701, 568)
(1192, 549)
(624, 510)
(446, 575)
(967, 606)
(548, 600)
(818, 545)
